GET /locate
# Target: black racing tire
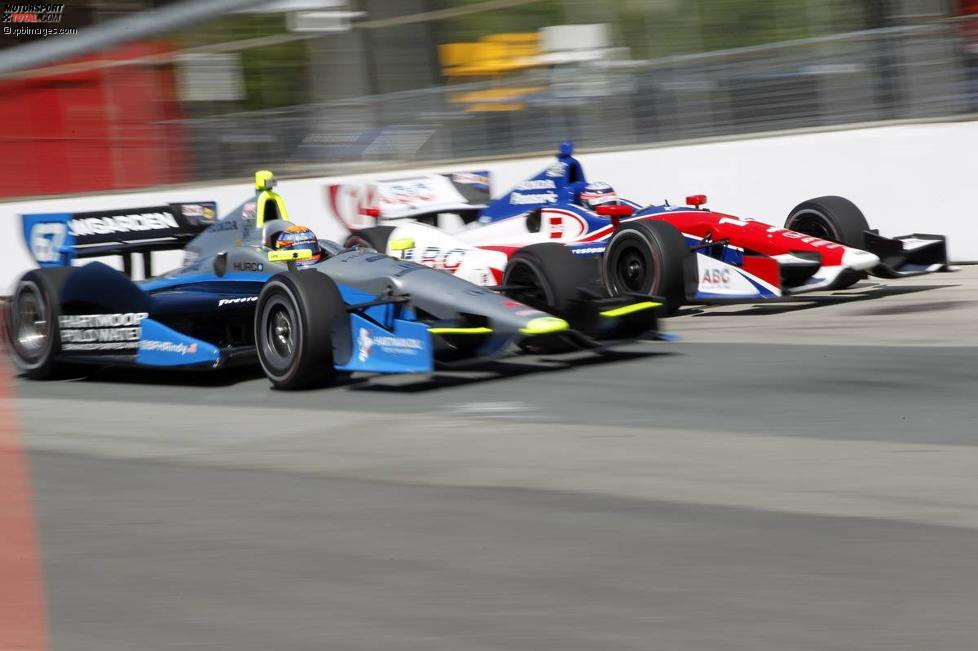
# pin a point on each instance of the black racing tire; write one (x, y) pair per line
(297, 316)
(375, 238)
(835, 219)
(549, 277)
(32, 316)
(647, 257)
(830, 218)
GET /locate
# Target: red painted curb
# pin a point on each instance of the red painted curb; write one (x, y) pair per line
(23, 620)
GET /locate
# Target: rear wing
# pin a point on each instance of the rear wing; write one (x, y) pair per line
(56, 239)
(359, 205)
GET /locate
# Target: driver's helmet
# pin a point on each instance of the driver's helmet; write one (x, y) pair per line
(597, 194)
(299, 238)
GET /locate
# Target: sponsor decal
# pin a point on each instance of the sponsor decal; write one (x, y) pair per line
(557, 170)
(46, 240)
(536, 184)
(591, 250)
(347, 202)
(197, 210)
(436, 258)
(223, 225)
(716, 276)
(406, 193)
(119, 331)
(248, 266)
(236, 301)
(137, 222)
(388, 344)
(365, 343)
(169, 347)
(518, 199)
(470, 178)
(805, 239)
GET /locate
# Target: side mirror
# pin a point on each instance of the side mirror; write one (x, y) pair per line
(615, 210)
(696, 200)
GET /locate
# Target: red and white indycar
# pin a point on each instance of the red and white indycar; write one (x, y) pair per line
(686, 254)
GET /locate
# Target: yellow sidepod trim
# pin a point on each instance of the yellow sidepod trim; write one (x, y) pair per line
(460, 331)
(630, 309)
(544, 325)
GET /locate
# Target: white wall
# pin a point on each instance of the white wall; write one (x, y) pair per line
(910, 178)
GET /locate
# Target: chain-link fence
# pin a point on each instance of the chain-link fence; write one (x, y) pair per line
(906, 72)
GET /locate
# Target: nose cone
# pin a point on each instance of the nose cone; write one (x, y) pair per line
(859, 260)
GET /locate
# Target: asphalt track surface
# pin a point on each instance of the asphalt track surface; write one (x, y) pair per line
(788, 476)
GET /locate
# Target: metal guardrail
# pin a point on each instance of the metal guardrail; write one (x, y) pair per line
(915, 72)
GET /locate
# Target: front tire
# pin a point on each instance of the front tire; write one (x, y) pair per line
(835, 219)
(648, 258)
(549, 277)
(830, 218)
(296, 319)
(32, 318)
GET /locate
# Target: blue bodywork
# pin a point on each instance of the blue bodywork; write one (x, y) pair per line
(174, 309)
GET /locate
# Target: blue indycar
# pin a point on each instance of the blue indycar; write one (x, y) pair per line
(254, 286)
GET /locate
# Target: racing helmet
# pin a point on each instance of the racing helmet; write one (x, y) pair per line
(597, 194)
(299, 238)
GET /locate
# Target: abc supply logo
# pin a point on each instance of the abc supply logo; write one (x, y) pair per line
(29, 18)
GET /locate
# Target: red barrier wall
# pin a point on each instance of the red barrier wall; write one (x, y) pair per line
(94, 130)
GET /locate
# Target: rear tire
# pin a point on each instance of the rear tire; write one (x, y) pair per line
(32, 317)
(375, 237)
(297, 316)
(648, 258)
(835, 219)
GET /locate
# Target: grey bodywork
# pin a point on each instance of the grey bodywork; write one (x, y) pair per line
(235, 243)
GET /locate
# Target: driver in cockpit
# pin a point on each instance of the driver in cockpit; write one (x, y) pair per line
(295, 237)
(299, 238)
(598, 193)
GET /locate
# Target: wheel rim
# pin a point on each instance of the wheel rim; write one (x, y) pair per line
(814, 224)
(632, 268)
(32, 328)
(280, 334)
